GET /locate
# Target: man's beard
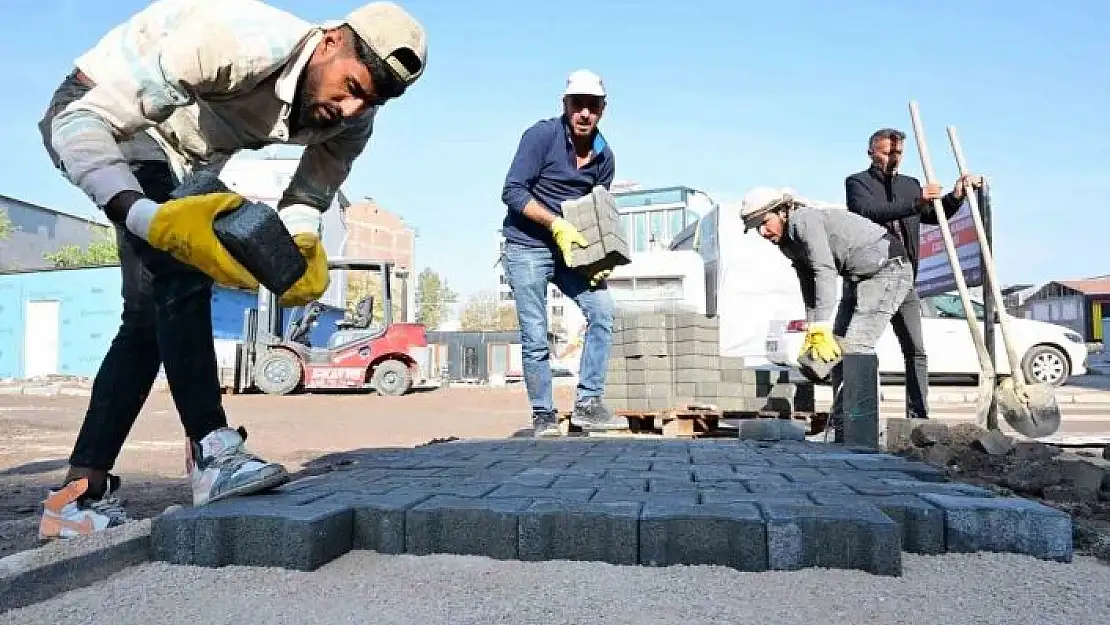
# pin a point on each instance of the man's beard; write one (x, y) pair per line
(303, 116)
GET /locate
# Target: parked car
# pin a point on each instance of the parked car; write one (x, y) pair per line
(1049, 352)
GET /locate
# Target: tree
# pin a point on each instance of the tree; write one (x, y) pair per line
(432, 299)
(6, 227)
(484, 313)
(102, 251)
(361, 284)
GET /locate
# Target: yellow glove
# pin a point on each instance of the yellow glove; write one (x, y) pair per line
(315, 279)
(183, 229)
(821, 343)
(599, 276)
(566, 236)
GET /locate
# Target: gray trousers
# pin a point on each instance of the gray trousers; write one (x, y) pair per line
(866, 308)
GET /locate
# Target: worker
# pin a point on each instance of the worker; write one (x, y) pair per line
(823, 243)
(158, 103)
(900, 204)
(559, 159)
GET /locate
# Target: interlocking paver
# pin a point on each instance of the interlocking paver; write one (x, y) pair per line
(750, 505)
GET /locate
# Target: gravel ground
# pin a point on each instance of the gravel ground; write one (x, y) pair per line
(363, 587)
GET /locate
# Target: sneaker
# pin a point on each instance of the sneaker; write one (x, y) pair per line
(220, 467)
(591, 414)
(544, 425)
(70, 511)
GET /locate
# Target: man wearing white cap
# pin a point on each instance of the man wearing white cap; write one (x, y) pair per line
(823, 243)
(159, 102)
(559, 159)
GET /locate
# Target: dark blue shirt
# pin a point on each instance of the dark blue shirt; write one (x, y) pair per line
(545, 169)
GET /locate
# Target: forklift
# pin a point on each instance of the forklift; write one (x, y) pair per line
(361, 354)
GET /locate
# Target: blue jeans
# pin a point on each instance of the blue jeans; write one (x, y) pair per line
(529, 270)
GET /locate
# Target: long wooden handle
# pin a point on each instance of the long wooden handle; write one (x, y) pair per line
(985, 366)
(988, 264)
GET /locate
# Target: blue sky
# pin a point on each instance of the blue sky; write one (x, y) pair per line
(720, 96)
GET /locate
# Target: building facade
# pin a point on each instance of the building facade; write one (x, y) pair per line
(1081, 305)
(374, 232)
(37, 231)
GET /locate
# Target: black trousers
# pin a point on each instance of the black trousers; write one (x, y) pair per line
(906, 324)
(166, 321)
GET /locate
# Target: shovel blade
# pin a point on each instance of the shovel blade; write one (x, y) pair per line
(1031, 411)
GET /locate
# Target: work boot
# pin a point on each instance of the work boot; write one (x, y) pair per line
(73, 510)
(591, 414)
(220, 467)
(545, 424)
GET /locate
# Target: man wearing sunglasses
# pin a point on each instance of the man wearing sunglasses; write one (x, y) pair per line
(559, 159)
(160, 102)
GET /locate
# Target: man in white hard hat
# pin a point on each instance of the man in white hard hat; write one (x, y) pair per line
(823, 243)
(558, 159)
(159, 102)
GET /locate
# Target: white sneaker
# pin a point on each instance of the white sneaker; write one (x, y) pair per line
(68, 512)
(220, 467)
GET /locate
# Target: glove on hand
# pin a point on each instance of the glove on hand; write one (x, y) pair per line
(599, 276)
(566, 237)
(820, 343)
(303, 223)
(183, 229)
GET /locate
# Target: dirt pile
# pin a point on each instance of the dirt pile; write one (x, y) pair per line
(1077, 483)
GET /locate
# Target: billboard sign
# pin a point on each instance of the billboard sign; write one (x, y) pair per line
(934, 273)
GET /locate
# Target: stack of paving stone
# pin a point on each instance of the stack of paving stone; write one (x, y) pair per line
(666, 357)
(661, 502)
(596, 217)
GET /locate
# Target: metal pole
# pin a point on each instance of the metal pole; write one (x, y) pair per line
(989, 311)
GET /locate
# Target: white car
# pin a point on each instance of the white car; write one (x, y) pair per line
(1049, 352)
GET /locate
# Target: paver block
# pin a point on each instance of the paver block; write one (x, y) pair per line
(729, 534)
(1004, 524)
(843, 537)
(464, 526)
(598, 532)
(619, 501)
(379, 520)
(921, 523)
(241, 532)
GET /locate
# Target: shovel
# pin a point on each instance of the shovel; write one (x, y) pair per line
(1030, 409)
(986, 369)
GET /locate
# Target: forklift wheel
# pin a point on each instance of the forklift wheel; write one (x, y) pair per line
(392, 377)
(277, 372)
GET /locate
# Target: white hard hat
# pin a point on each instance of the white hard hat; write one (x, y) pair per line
(762, 200)
(584, 82)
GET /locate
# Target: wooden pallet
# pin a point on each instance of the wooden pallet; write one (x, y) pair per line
(686, 421)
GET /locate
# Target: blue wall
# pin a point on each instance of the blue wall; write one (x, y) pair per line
(89, 307)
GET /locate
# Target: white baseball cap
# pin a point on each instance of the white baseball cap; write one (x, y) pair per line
(762, 200)
(584, 82)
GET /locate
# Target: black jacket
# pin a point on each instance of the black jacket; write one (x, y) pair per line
(885, 199)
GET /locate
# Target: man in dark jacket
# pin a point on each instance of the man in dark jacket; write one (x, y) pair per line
(899, 203)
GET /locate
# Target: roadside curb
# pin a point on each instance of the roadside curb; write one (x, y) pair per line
(35, 575)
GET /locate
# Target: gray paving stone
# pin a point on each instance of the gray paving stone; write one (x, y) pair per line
(730, 534)
(379, 520)
(842, 537)
(465, 526)
(921, 523)
(241, 532)
(620, 501)
(598, 532)
(1004, 524)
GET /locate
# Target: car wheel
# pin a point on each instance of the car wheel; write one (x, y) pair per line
(1046, 364)
(278, 372)
(392, 377)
